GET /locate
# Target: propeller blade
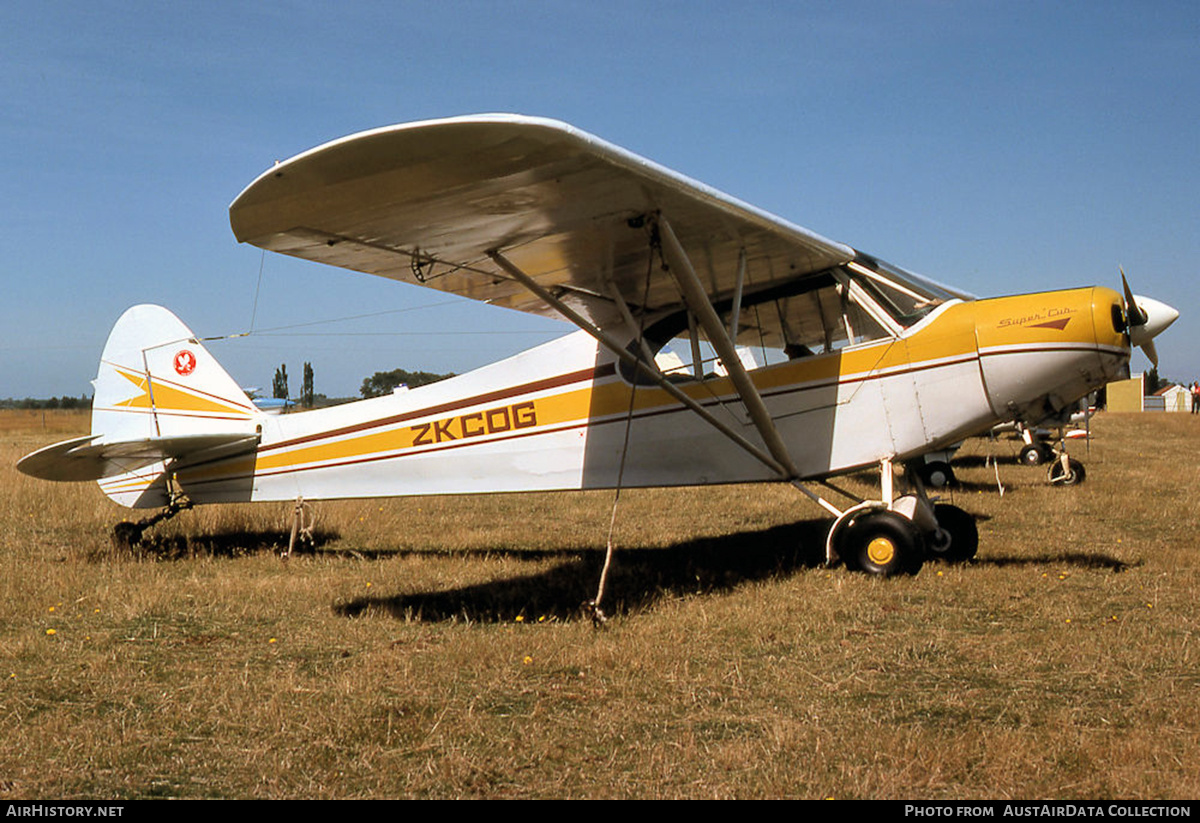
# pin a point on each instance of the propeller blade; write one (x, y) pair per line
(1134, 316)
(1151, 352)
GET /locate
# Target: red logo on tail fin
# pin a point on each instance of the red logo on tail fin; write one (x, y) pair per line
(185, 362)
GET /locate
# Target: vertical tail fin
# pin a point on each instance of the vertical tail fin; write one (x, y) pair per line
(159, 386)
(157, 380)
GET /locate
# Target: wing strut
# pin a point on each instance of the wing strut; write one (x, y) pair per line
(637, 363)
(698, 302)
(736, 312)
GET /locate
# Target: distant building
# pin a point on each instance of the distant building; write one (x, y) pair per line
(1127, 395)
(1175, 398)
(1130, 395)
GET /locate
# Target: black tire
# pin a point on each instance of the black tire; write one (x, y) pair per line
(937, 474)
(883, 543)
(1034, 455)
(957, 537)
(1073, 475)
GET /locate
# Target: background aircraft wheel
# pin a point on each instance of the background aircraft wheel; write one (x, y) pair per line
(1034, 455)
(937, 474)
(883, 543)
(1073, 475)
(957, 537)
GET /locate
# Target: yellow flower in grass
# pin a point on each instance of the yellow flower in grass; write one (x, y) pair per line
(527, 660)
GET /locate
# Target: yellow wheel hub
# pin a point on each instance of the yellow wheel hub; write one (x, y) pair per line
(881, 551)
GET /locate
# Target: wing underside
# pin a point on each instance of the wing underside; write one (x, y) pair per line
(426, 202)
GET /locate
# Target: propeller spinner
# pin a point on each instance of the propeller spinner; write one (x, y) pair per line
(1146, 319)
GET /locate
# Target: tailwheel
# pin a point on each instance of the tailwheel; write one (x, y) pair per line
(1071, 474)
(127, 535)
(957, 538)
(883, 543)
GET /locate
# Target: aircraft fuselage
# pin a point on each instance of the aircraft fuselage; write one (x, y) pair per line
(554, 417)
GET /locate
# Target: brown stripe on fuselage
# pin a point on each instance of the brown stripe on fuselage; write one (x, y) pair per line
(490, 397)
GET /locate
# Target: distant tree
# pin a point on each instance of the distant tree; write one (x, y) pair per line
(306, 390)
(383, 382)
(64, 402)
(1153, 383)
(280, 386)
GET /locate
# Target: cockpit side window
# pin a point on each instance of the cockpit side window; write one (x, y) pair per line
(821, 313)
(815, 315)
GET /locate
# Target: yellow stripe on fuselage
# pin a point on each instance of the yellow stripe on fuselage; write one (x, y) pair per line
(608, 398)
(950, 337)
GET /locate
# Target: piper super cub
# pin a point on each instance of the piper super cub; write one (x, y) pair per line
(717, 343)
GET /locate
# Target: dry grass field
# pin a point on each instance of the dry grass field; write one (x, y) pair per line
(434, 647)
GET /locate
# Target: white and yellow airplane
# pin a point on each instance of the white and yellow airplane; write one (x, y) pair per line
(798, 358)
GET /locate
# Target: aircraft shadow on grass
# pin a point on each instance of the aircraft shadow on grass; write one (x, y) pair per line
(1083, 560)
(637, 579)
(227, 543)
(640, 577)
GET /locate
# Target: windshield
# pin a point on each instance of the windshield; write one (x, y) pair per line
(905, 296)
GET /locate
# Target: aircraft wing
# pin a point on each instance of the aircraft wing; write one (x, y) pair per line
(425, 202)
(82, 459)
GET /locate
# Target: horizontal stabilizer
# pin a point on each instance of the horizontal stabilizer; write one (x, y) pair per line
(83, 459)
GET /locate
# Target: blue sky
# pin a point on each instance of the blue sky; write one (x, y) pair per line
(1001, 147)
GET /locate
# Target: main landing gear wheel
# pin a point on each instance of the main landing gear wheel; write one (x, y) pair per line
(957, 537)
(1072, 475)
(1035, 455)
(883, 543)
